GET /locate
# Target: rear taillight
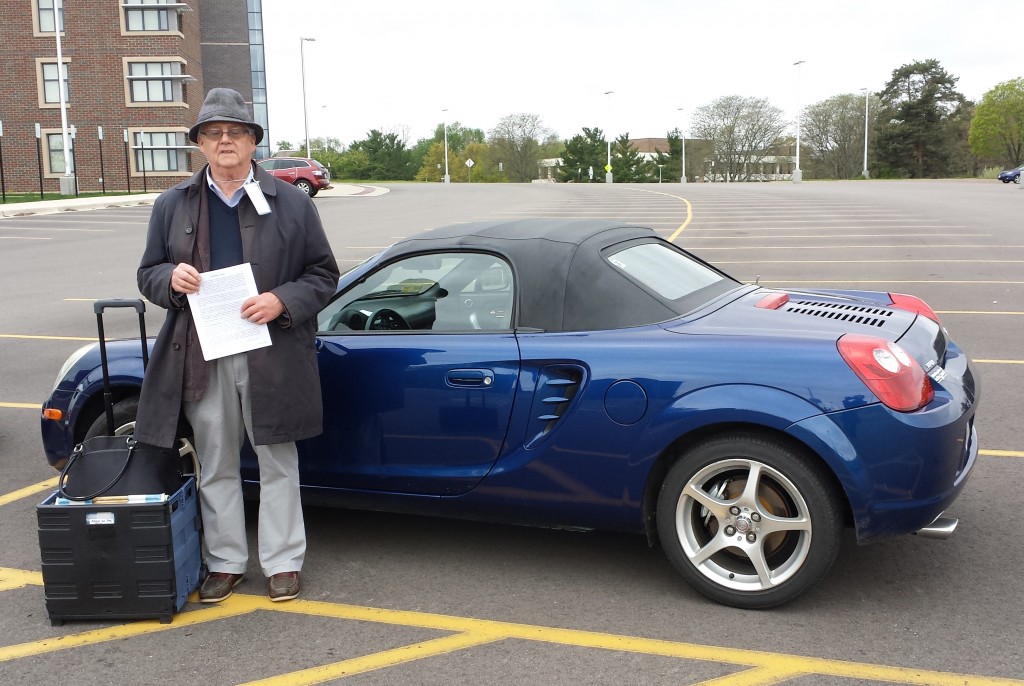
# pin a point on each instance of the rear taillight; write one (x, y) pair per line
(913, 304)
(888, 371)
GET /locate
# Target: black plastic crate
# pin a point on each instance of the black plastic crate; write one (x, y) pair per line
(119, 561)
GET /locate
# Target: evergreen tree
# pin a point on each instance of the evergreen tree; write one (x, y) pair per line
(917, 104)
(582, 153)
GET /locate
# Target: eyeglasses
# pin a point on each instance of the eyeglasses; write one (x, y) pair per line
(233, 133)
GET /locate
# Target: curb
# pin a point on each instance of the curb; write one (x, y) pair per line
(23, 209)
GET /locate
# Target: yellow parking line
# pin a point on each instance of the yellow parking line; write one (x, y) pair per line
(47, 485)
(689, 210)
(120, 631)
(21, 406)
(46, 338)
(999, 361)
(977, 312)
(386, 658)
(758, 676)
(1002, 453)
(18, 578)
(470, 632)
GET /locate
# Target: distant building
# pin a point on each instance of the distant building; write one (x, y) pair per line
(137, 69)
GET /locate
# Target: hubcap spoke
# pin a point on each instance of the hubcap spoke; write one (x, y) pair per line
(717, 507)
(771, 524)
(713, 546)
(756, 555)
(749, 495)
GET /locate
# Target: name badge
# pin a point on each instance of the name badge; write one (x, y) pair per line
(257, 198)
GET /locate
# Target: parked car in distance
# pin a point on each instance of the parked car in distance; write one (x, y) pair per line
(592, 375)
(304, 172)
(1011, 174)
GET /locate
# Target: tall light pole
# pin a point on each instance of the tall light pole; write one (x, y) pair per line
(866, 94)
(608, 168)
(682, 150)
(447, 179)
(798, 175)
(305, 117)
(67, 182)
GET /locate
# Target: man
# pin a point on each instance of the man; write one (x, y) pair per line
(229, 213)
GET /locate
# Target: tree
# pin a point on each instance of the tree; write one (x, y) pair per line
(284, 145)
(459, 136)
(916, 106)
(515, 141)
(581, 153)
(389, 159)
(833, 133)
(997, 128)
(432, 169)
(743, 132)
(628, 164)
(485, 167)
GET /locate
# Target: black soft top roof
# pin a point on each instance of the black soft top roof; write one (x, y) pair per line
(562, 281)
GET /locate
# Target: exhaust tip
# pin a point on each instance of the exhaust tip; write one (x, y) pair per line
(941, 528)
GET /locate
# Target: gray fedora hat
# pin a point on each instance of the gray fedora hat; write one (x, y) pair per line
(224, 104)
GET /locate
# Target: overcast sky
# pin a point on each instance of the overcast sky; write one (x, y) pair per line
(395, 65)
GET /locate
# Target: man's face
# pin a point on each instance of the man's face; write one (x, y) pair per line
(227, 145)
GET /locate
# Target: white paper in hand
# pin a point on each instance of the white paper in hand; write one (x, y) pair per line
(217, 312)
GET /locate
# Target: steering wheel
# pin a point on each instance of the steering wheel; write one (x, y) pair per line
(386, 320)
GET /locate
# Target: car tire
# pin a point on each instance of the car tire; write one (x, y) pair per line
(305, 186)
(125, 412)
(751, 548)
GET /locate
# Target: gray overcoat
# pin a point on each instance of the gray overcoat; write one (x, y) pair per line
(291, 257)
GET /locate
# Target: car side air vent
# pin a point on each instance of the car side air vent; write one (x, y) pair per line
(557, 386)
(843, 312)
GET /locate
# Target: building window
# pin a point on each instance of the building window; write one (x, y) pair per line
(46, 15)
(151, 15)
(160, 151)
(51, 82)
(149, 82)
(55, 148)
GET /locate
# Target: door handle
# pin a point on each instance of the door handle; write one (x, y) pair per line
(461, 378)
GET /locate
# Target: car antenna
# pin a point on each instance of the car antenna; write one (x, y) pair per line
(757, 280)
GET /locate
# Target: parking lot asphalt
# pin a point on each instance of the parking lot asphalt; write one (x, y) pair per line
(394, 599)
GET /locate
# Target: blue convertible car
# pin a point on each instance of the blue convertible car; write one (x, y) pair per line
(593, 375)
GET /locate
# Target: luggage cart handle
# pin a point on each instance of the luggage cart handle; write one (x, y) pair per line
(98, 307)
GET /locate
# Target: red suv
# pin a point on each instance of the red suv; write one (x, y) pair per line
(304, 172)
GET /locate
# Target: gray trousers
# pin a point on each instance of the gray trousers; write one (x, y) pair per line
(218, 421)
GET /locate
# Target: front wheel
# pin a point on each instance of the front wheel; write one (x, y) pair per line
(748, 521)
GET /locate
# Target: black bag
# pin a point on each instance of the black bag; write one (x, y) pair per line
(119, 465)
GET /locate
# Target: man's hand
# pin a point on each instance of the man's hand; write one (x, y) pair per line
(185, 279)
(263, 308)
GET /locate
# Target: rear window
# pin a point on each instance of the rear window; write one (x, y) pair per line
(667, 273)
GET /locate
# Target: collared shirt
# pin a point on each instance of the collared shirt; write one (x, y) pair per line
(236, 197)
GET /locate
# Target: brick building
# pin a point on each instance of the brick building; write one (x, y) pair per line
(134, 74)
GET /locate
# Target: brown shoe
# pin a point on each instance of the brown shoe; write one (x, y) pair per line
(284, 586)
(218, 586)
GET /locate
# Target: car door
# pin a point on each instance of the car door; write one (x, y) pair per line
(414, 402)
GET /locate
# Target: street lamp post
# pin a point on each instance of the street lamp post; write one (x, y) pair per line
(682, 151)
(305, 117)
(68, 186)
(798, 174)
(608, 168)
(447, 179)
(864, 172)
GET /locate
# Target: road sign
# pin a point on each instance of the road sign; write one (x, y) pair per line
(607, 167)
(470, 163)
